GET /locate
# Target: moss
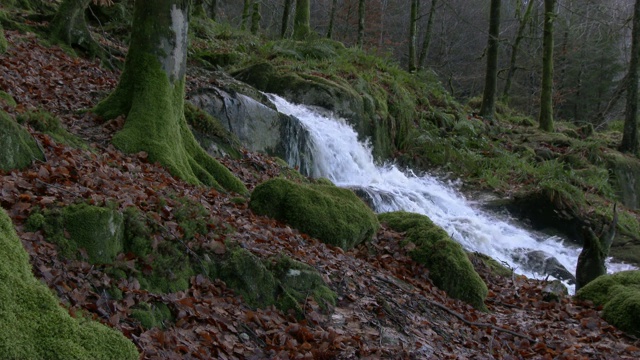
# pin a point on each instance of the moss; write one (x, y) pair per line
(7, 100)
(249, 277)
(448, 264)
(298, 282)
(494, 266)
(331, 214)
(623, 309)
(156, 124)
(152, 315)
(18, 149)
(32, 323)
(97, 230)
(3, 41)
(600, 290)
(209, 130)
(47, 123)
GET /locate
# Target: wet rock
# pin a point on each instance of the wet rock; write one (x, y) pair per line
(541, 262)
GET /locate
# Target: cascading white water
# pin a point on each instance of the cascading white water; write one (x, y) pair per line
(339, 156)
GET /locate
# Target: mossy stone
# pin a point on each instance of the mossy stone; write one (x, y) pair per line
(18, 148)
(32, 323)
(248, 276)
(619, 294)
(448, 264)
(331, 214)
(99, 230)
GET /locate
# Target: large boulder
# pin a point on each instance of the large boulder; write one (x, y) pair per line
(619, 295)
(331, 214)
(33, 325)
(448, 264)
(540, 262)
(18, 148)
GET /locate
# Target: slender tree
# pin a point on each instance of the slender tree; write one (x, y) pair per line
(488, 107)
(630, 133)
(332, 18)
(151, 93)
(301, 26)
(286, 11)
(426, 42)
(70, 27)
(246, 14)
(361, 12)
(413, 29)
(255, 17)
(546, 94)
(515, 46)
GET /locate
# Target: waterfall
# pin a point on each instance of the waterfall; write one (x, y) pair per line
(334, 152)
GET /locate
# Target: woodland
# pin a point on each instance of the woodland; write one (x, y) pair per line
(124, 235)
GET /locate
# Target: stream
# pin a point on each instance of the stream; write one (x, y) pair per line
(333, 151)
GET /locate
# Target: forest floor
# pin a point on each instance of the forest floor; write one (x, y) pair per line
(387, 307)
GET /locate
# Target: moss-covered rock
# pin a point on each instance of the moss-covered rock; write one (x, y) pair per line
(619, 294)
(299, 281)
(248, 276)
(49, 124)
(32, 323)
(18, 148)
(448, 264)
(97, 230)
(331, 214)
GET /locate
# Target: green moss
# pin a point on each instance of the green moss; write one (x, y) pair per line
(331, 214)
(494, 266)
(32, 323)
(448, 264)
(208, 129)
(152, 315)
(47, 123)
(151, 101)
(249, 277)
(97, 230)
(18, 149)
(623, 309)
(3, 41)
(298, 282)
(601, 289)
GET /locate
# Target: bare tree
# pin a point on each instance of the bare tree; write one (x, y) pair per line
(488, 107)
(515, 46)
(426, 42)
(413, 29)
(361, 12)
(546, 95)
(630, 134)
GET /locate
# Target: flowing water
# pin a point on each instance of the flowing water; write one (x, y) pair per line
(334, 152)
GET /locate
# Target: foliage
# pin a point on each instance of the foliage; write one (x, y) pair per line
(47, 123)
(19, 148)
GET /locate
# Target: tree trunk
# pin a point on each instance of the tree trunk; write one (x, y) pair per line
(514, 49)
(70, 27)
(427, 36)
(151, 92)
(361, 11)
(213, 9)
(332, 18)
(301, 25)
(245, 15)
(546, 94)
(595, 250)
(630, 133)
(285, 17)
(255, 17)
(412, 35)
(488, 107)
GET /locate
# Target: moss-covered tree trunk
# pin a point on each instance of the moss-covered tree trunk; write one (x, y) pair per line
(245, 14)
(546, 94)
(255, 17)
(285, 18)
(332, 18)
(413, 20)
(151, 94)
(630, 133)
(70, 27)
(488, 107)
(301, 21)
(595, 250)
(524, 20)
(361, 14)
(426, 42)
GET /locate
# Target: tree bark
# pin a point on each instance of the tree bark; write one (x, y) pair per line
(514, 49)
(361, 13)
(301, 25)
(546, 94)
(255, 17)
(426, 42)
(332, 18)
(70, 27)
(595, 250)
(285, 18)
(245, 14)
(488, 107)
(413, 19)
(630, 133)
(151, 92)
